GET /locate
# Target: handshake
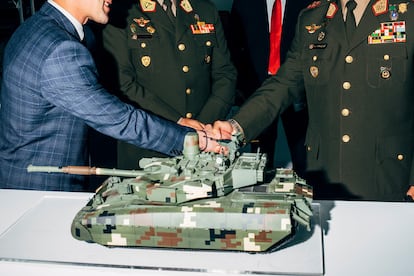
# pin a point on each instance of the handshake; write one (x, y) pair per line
(209, 135)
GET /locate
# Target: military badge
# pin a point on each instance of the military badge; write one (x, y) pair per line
(151, 29)
(333, 8)
(312, 28)
(141, 21)
(402, 7)
(321, 36)
(133, 29)
(314, 71)
(380, 7)
(207, 59)
(148, 5)
(186, 6)
(146, 61)
(393, 12)
(385, 72)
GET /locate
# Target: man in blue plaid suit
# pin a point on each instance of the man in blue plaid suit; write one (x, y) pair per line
(50, 96)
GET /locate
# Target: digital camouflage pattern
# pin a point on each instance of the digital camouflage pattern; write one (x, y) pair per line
(196, 204)
(194, 201)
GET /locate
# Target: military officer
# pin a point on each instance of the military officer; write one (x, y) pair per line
(174, 62)
(359, 89)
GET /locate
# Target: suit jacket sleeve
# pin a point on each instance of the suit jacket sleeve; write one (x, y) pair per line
(70, 83)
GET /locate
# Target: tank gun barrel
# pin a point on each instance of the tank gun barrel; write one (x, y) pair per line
(85, 170)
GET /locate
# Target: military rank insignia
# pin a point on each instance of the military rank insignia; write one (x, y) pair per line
(380, 7)
(389, 32)
(186, 6)
(333, 8)
(314, 5)
(148, 5)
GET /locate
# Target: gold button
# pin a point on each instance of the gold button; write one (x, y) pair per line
(188, 115)
(400, 157)
(315, 58)
(186, 69)
(346, 138)
(143, 45)
(188, 91)
(208, 43)
(349, 59)
(309, 148)
(345, 112)
(386, 57)
(181, 47)
(346, 85)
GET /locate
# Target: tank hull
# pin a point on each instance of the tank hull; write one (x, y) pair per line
(237, 222)
(249, 221)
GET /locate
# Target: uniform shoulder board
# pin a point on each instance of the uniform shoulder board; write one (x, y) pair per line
(313, 5)
(318, 3)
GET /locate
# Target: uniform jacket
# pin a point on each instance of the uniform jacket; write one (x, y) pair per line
(250, 38)
(359, 95)
(50, 95)
(173, 71)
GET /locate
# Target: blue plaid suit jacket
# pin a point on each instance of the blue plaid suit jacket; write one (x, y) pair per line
(50, 96)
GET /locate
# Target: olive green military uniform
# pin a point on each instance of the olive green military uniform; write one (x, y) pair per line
(173, 69)
(360, 95)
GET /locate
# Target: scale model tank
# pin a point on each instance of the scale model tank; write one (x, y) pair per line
(195, 201)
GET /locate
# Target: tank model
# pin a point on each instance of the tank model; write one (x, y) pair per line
(194, 201)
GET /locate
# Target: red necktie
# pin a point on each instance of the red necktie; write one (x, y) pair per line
(275, 37)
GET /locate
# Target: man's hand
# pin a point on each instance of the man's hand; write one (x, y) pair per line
(410, 192)
(207, 140)
(191, 123)
(223, 129)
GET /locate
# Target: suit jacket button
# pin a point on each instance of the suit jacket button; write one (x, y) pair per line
(186, 68)
(189, 115)
(188, 91)
(400, 157)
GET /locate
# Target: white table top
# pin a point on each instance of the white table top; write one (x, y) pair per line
(348, 238)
